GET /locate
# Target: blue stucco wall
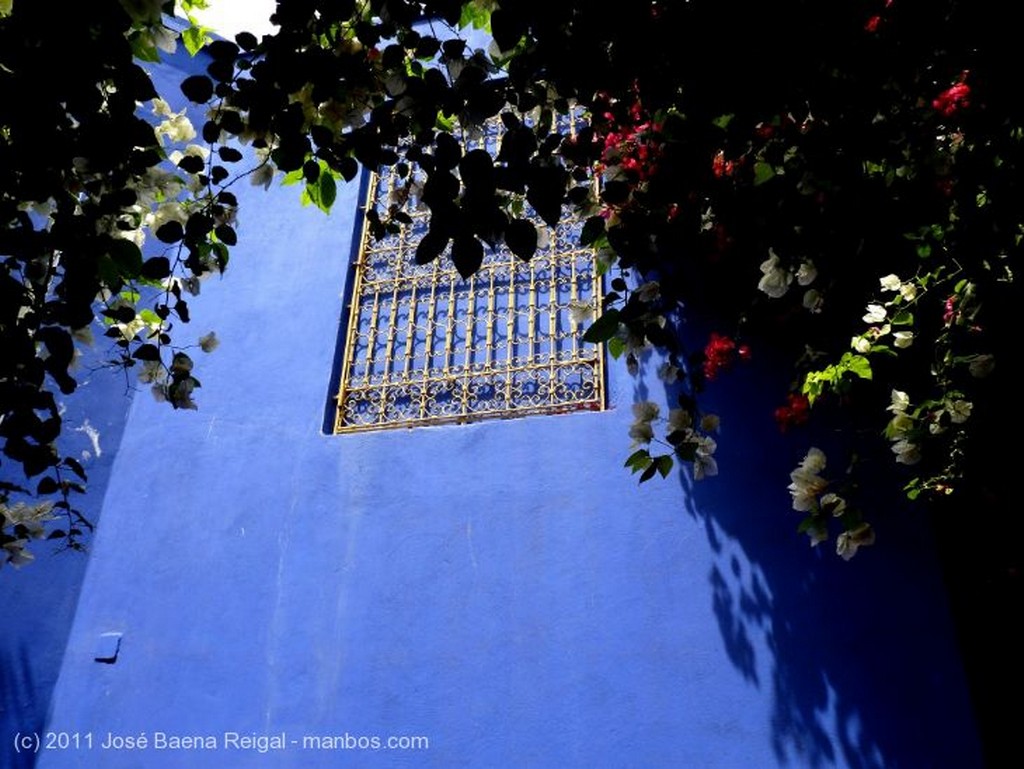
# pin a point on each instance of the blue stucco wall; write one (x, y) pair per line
(503, 589)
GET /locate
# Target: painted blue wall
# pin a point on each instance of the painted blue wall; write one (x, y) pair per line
(503, 589)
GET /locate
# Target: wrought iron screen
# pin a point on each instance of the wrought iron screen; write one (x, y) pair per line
(425, 346)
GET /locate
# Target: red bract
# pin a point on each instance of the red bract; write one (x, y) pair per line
(954, 98)
(720, 166)
(720, 353)
(795, 412)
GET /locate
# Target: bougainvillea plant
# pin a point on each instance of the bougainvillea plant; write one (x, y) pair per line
(843, 193)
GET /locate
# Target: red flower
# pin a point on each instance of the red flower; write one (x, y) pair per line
(720, 166)
(794, 413)
(954, 98)
(720, 353)
(873, 23)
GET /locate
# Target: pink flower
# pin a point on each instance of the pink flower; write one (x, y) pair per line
(950, 311)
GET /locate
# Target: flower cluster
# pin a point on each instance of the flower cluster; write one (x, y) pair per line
(630, 143)
(954, 98)
(689, 439)
(809, 491)
(796, 411)
(720, 353)
(20, 523)
(776, 278)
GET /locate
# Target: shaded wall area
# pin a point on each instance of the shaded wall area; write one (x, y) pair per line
(40, 597)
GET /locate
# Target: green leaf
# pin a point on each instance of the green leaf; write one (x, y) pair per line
(856, 364)
(616, 347)
(194, 38)
(604, 328)
(649, 472)
(323, 191)
(903, 318)
(664, 464)
(763, 172)
(722, 121)
(638, 460)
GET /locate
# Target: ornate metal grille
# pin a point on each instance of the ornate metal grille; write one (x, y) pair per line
(425, 346)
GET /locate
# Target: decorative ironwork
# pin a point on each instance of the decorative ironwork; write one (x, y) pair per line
(425, 346)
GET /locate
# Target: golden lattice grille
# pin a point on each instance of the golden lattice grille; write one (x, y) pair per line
(426, 346)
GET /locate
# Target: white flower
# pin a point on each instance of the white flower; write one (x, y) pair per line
(890, 283)
(161, 108)
(16, 553)
(900, 424)
(543, 237)
(604, 259)
(861, 344)
(908, 291)
(165, 39)
(668, 373)
(907, 453)
(152, 371)
(209, 342)
(959, 411)
(848, 542)
(709, 423)
(192, 150)
(704, 464)
(645, 411)
(814, 461)
(813, 300)
(679, 419)
(806, 273)
(807, 484)
(875, 314)
(171, 211)
(833, 503)
(775, 279)
(581, 312)
(903, 338)
(900, 402)
(177, 128)
(262, 176)
(641, 432)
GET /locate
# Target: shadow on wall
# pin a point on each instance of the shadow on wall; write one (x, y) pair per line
(859, 657)
(21, 710)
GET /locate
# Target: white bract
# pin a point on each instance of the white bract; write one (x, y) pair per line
(775, 278)
(875, 314)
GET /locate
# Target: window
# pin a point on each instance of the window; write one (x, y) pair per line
(425, 346)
